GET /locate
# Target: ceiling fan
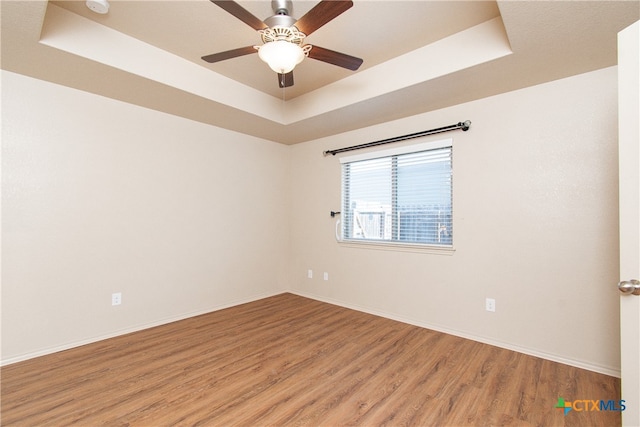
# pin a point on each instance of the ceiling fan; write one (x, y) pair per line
(283, 37)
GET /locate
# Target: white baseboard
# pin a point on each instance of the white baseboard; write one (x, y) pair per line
(531, 352)
(606, 370)
(135, 328)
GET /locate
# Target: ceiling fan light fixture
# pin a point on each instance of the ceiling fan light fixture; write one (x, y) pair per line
(281, 56)
(283, 37)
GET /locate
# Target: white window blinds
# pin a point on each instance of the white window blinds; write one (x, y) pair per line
(404, 197)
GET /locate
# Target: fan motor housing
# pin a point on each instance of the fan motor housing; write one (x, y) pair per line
(280, 21)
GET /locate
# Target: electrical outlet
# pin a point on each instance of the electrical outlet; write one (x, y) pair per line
(326, 276)
(309, 274)
(116, 299)
(490, 304)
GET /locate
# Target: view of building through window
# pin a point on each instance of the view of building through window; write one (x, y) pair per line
(403, 198)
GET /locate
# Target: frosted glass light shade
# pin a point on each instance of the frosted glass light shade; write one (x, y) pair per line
(281, 56)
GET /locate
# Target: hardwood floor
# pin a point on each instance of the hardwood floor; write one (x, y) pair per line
(293, 361)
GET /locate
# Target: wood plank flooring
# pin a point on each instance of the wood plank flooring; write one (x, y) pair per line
(292, 361)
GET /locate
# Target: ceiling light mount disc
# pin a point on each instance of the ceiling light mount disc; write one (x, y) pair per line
(98, 6)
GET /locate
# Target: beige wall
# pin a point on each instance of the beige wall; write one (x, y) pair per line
(182, 218)
(100, 196)
(535, 226)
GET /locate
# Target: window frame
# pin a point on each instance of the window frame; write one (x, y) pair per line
(396, 245)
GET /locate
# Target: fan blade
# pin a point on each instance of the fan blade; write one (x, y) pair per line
(321, 13)
(241, 13)
(285, 80)
(336, 58)
(221, 56)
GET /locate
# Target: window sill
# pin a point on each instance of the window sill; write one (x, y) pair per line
(398, 247)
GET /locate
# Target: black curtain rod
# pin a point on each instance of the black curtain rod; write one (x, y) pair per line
(460, 125)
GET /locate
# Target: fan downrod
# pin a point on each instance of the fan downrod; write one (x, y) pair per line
(281, 7)
(282, 18)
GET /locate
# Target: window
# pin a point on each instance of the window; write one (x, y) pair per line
(399, 196)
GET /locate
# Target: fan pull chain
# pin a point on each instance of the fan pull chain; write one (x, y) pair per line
(283, 95)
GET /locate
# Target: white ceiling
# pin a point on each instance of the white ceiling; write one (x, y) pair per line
(418, 56)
